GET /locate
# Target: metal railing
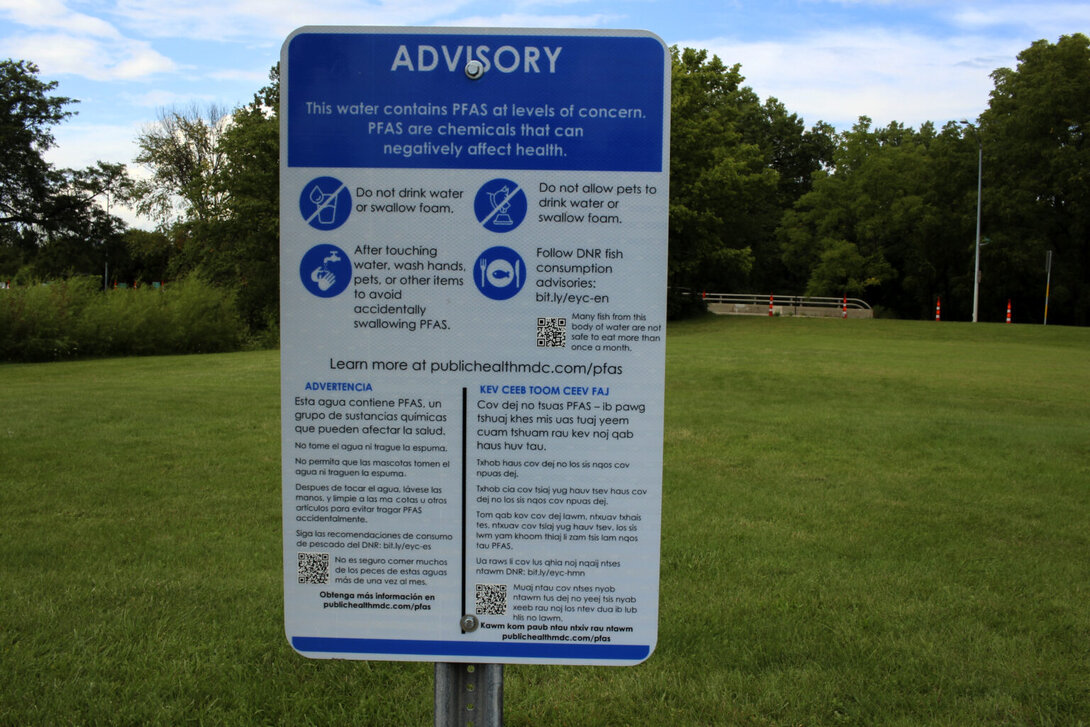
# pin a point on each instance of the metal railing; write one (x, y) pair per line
(816, 301)
(785, 304)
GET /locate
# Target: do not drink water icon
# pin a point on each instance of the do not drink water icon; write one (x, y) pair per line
(325, 203)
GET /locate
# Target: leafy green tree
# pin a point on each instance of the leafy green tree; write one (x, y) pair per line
(27, 115)
(214, 188)
(718, 183)
(51, 222)
(796, 154)
(891, 221)
(1036, 183)
(248, 247)
(736, 165)
(146, 256)
(181, 151)
(834, 240)
(81, 236)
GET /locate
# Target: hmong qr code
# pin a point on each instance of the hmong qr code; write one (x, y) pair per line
(314, 568)
(491, 599)
(552, 332)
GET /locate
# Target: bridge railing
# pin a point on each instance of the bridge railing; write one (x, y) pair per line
(799, 305)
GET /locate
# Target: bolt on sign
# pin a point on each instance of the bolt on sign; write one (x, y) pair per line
(473, 275)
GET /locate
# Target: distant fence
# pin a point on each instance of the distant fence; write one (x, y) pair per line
(746, 304)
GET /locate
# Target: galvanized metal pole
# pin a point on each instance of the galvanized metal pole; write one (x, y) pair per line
(1048, 283)
(979, 185)
(468, 695)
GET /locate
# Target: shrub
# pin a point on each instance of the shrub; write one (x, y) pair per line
(203, 319)
(38, 322)
(74, 318)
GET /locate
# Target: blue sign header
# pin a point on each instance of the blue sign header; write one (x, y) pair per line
(406, 100)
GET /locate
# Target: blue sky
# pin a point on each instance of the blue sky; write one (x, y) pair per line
(831, 60)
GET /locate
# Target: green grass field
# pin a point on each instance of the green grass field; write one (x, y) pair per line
(865, 523)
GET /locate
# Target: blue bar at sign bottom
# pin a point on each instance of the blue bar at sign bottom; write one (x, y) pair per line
(602, 652)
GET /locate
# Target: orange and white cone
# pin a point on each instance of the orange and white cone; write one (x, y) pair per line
(1008, 310)
(938, 308)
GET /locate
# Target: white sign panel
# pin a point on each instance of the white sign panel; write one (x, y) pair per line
(473, 276)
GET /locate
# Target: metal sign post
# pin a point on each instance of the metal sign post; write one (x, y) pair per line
(468, 694)
(473, 275)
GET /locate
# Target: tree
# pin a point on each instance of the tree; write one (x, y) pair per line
(1037, 183)
(27, 114)
(50, 221)
(214, 188)
(80, 235)
(249, 236)
(146, 256)
(796, 154)
(840, 236)
(892, 220)
(182, 152)
(736, 164)
(718, 183)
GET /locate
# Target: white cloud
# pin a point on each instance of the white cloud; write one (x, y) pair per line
(159, 98)
(81, 145)
(259, 77)
(55, 15)
(96, 59)
(840, 75)
(1051, 19)
(273, 20)
(528, 20)
(62, 41)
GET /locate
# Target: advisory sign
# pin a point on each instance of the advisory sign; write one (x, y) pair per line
(473, 277)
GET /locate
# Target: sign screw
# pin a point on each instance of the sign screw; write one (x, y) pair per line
(469, 623)
(474, 70)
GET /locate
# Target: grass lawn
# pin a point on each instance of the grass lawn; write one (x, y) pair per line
(865, 523)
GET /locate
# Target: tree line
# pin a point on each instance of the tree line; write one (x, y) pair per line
(759, 201)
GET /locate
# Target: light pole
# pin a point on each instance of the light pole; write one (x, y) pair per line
(106, 253)
(979, 187)
(1048, 282)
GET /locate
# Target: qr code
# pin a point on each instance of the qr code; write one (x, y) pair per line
(491, 599)
(552, 332)
(314, 568)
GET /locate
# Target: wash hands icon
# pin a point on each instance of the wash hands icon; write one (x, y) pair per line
(322, 275)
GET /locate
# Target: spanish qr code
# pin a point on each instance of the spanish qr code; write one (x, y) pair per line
(314, 568)
(491, 599)
(552, 332)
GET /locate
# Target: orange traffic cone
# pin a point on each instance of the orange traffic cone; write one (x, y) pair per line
(1008, 310)
(938, 308)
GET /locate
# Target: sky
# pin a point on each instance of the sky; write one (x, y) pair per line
(909, 61)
